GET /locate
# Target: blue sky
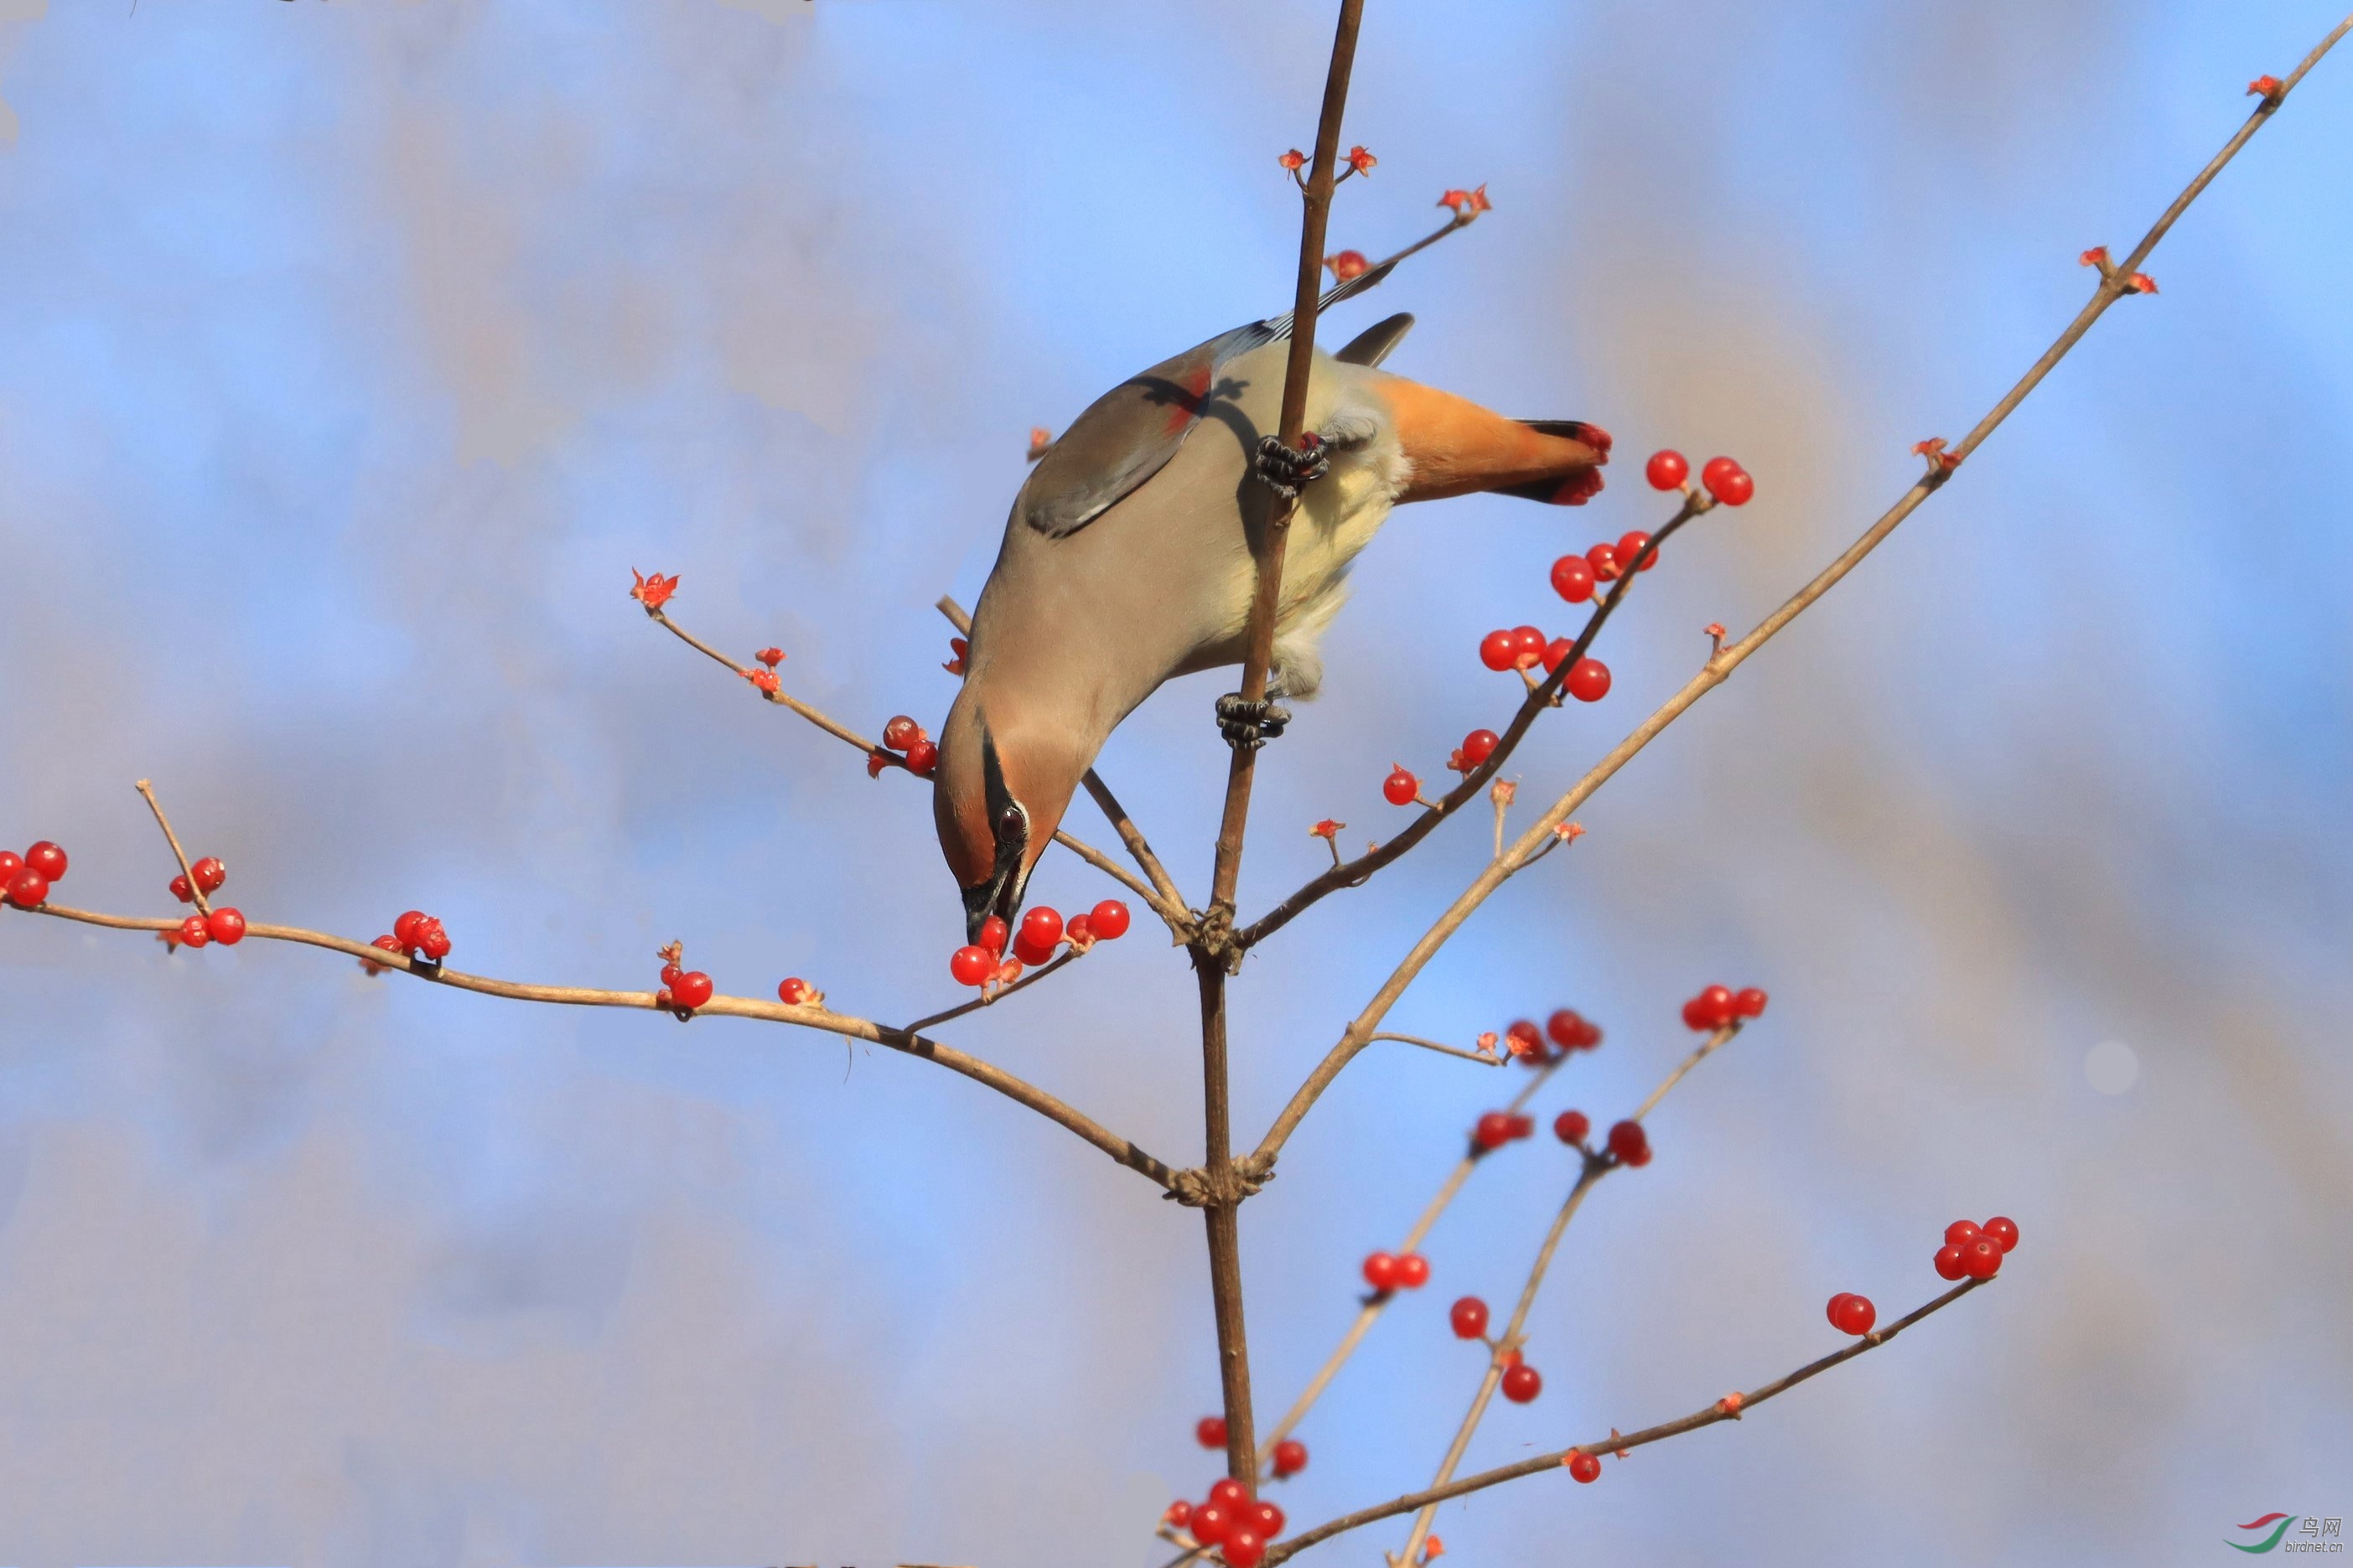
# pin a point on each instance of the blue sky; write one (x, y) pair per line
(351, 356)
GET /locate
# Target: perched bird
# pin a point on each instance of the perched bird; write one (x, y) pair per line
(1127, 560)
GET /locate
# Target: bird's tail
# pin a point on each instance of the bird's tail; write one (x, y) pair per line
(1455, 448)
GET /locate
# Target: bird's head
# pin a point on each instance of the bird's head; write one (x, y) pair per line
(996, 800)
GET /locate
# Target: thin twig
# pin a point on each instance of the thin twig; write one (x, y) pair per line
(1718, 669)
(1171, 908)
(1121, 1149)
(840, 731)
(164, 821)
(1376, 1304)
(991, 998)
(1596, 1167)
(1541, 695)
(1722, 1410)
(1492, 1058)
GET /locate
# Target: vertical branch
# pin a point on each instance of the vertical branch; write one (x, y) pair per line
(1213, 950)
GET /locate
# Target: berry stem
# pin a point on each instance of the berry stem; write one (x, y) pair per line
(1497, 1061)
(204, 906)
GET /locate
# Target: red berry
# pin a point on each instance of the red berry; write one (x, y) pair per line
(792, 991)
(1108, 920)
(1266, 1519)
(1715, 1005)
(1982, 1256)
(10, 864)
(1852, 1314)
(1400, 787)
(1210, 1522)
(1477, 746)
(1630, 1143)
(1960, 1233)
(1749, 1004)
(1289, 1457)
(1498, 650)
(1571, 1126)
(1585, 1468)
(1603, 559)
(1632, 545)
(1028, 952)
(1522, 1384)
(1588, 680)
(1526, 1032)
(922, 757)
(2003, 1230)
(1210, 1431)
(1523, 1126)
(670, 973)
(27, 888)
(1949, 1262)
(1009, 970)
(1727, 481)
(181, 891)
(1469, 1317)
(1572, 578)
(193, 933)
(1230, 1494)
(227, 927)
(1413, 1271)
(1381, 1272)
(1042, 926)
(1666, 470)
(1493, 1130)
(1528, 646)
(1178, 1514)
(1244, 1547)
(693, 990)
(405, 928)
(900, 732)
(993, 933)
(1080, 930)
(432, 941)
(210, 873)
(48, 860)
(1566, 1028)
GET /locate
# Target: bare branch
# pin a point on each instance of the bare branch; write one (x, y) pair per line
(1619, 1443)
(912, 1044)
(196, 891)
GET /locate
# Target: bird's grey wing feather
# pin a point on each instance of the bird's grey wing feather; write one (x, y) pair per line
(1128, 434)
(1373, 345)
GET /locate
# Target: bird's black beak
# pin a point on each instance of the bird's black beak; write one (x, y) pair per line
(1009, 821)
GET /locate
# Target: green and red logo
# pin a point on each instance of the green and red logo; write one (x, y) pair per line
(2277, 1523)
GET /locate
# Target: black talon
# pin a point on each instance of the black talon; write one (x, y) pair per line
(1245, 723)
(1286, 471)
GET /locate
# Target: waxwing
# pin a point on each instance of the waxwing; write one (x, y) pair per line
(1127, 560)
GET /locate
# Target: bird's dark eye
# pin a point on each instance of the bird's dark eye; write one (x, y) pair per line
(1011, 823)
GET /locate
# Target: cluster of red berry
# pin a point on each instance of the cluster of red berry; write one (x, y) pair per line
(1627, 1142)
(1497, 1128)
(683, 989)
(1387, 1272)
(1719, 1006)
(1043, 930)
(24, 879)
(1976, 1251)
(917, 748)
(1567, 1030)
(1726, 481)
(1230, 1520)
(1524, 647)
(418, 935)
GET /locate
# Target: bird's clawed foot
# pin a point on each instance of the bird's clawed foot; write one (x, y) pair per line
(1247, 723)
(1286, 471)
